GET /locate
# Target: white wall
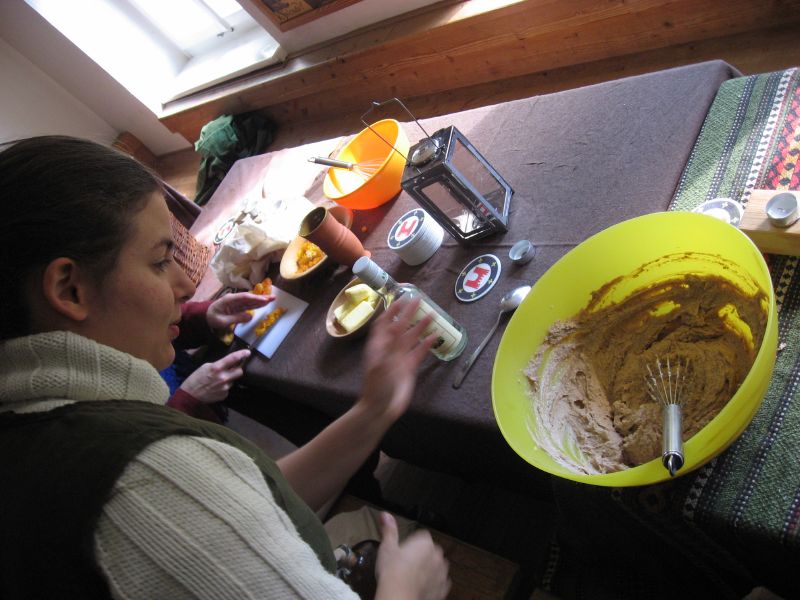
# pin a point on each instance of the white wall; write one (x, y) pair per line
(59, 90)
(31, 103)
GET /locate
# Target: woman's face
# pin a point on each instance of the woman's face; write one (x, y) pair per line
(137, 307)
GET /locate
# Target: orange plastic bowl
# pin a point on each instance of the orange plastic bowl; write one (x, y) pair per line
(378, 170)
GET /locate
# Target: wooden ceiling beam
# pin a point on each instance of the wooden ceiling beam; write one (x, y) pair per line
(456, 45)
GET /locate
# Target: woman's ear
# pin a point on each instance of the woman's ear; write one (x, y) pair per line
(65, 289)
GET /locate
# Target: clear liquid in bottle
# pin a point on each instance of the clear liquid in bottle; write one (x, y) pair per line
(451, 335)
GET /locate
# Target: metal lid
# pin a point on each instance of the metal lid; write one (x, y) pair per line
(726, 210)
(370, 273)
(522, 252)
(424, 152)
(782, 209)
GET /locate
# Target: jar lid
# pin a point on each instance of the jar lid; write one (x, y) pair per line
(370, 273)
(782, 209)
(522, 252)
(726, 210)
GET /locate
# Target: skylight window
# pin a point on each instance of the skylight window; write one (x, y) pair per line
(160, 50)
(195, 26)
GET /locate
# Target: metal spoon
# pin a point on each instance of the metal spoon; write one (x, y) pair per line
(508, 303)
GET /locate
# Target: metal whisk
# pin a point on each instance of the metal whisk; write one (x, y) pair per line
(666, 388)
(364, 169)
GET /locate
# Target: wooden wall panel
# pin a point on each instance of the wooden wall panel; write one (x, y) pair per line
(441, 50)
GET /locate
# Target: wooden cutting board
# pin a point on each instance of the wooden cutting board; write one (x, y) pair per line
(768, 238)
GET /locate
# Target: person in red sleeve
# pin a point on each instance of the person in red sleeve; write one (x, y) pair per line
(201, 322)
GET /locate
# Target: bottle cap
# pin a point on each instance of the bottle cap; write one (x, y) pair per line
(782, 209)
(370, 273)
(522, 252)
(726, 210)
(415, 236)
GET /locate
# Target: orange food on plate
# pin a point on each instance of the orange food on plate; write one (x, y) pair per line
(269, 321)
(263, 288)
(308, 256)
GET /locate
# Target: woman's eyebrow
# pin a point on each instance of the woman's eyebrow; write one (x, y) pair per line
(167, 243)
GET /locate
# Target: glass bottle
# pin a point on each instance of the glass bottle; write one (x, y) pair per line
(452, 337)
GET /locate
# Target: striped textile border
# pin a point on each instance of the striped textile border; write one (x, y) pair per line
(751, 140)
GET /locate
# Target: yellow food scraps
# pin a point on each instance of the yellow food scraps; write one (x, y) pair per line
(308, 256)
(227, 336)
(269, 321)
(263, 288)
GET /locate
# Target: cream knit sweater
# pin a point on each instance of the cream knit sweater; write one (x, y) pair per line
(190, 517)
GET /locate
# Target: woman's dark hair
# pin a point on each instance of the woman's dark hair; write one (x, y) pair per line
(62, 196)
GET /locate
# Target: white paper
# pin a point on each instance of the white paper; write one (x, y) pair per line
(269, 342)
(261, 237)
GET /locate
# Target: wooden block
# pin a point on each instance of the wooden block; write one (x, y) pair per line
(768, 238)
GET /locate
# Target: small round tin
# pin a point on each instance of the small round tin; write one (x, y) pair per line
(782, 209)
(726, 210)
(416, 236)
(522, 252)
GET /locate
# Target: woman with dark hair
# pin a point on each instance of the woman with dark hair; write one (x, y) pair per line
(107, 492)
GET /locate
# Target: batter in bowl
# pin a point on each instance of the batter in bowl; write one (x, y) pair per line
(591, 403)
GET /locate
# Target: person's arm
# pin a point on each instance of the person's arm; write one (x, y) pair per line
(210, 383)
(319, 470)
(193, 518)
(189, 405)
(194, 329)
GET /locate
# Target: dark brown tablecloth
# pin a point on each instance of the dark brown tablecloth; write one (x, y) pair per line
(579, 161)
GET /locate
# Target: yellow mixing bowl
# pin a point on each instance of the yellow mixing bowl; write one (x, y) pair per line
(566, 288)
(378, 171)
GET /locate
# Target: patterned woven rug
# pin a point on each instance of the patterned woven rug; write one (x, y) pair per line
(735, 523)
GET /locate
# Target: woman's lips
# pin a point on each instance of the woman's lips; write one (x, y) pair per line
(174, 330)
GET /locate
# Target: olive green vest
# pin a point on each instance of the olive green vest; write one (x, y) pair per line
(57, 470)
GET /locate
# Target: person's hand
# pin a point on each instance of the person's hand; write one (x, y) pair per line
(211, 382)
(417, 566)
(391, 357)
(231, 309)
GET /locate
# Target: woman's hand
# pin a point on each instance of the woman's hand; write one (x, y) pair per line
(211, 382)
(319, 470)
(414, 569)
(231, 309)
(392, 355)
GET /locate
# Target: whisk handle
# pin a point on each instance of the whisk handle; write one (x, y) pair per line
(332, 162)
(672, 442)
